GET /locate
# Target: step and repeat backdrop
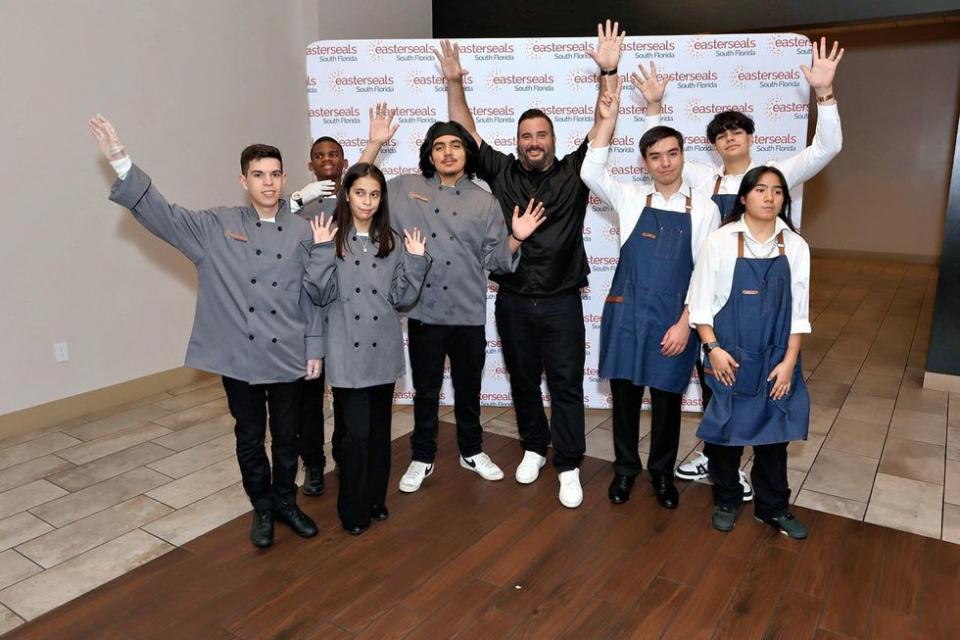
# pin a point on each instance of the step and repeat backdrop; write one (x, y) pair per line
(758, 74)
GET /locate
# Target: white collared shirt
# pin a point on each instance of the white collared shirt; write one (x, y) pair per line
(713, 275)
(628, 200)
(797, 169)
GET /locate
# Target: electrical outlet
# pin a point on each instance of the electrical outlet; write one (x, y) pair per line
(60, 352)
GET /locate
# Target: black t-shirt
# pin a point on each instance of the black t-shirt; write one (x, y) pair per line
(553, 259)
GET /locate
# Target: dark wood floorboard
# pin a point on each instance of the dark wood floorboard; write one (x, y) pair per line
(466, 558)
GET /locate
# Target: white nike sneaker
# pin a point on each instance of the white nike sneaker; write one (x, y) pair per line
(693, 469)
(416, 473)
(529, 468)
(747, 489)
(571, 493)
(482, 465)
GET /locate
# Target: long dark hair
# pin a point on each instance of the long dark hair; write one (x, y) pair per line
(380, 225)
(750, 180)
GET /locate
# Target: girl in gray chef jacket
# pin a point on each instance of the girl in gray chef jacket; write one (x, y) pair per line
(365, 275)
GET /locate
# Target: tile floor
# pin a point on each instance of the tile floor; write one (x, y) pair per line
(88, 500)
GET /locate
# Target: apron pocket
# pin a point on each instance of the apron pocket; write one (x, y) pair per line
(669, 242)
(751, 375)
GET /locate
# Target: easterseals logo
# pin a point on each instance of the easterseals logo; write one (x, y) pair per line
(338, 115)
(332, 53)
(498, 115)
(650, 48)
(579, 80)
(489, 52)
(419, 82)
(692, 80)
(519, 82)
(777, 143)
(719, 47)
(569, 113)
(359, 142)
(779, 44)
(538, 49)
(698, 110)
(638, 112)
(611, 233)
(742, 77)
(338, 81)
(378, 50)
(499, 140)
(776, 109)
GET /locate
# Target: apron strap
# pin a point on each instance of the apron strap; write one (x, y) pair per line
(716, 185)
(780, 244)
(687, 206)
(740, 244)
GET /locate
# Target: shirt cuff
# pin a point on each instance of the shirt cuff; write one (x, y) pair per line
(122, 166)
(828, 111)
(800, 326)
(597, 155)
(700, 317)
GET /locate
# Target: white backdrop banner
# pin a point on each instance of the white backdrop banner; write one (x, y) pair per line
(758, 74)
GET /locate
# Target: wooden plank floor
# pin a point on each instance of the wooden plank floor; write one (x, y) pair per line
(470, 559)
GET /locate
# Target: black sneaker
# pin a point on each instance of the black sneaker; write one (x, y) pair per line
(293, 517)
(788, 525)
(724, 518)
(312, 481)
(261, 530)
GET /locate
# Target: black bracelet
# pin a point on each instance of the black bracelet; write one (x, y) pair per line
(608, 72)
(516, 238)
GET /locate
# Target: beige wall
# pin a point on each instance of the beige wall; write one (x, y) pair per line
(188, 85)
(886, 192)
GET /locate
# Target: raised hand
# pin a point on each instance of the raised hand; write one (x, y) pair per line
(609, 104)
(107, 138)
(323, 229)
(522, 226)
(318, 189)
(607, 53)
(820, 75)
(649, 83)
(414, 243)
(449, 57)
(381, 124)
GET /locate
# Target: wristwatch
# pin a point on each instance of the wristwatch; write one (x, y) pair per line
(297, 197)
(709, 346)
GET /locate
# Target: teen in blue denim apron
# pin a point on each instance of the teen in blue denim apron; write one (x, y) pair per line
(647, 298)
(754, 328)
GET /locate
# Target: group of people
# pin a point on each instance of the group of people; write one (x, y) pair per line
(297, 293)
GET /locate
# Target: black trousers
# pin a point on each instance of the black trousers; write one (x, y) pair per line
(248, 404)
(771, 492)
(546, 335)
(430, 344)
(364, 451)
(664, 433)
(310, 437)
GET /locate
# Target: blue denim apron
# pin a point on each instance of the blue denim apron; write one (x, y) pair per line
(724, 201)
(754, 327)
(646, 298)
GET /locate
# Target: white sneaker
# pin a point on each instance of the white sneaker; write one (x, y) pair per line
(571, 494)
(416, 473)
(482, 465)
(529, 468)
(747, 489)
(694, 469)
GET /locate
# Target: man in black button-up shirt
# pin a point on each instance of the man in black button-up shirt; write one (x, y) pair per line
(538, 310)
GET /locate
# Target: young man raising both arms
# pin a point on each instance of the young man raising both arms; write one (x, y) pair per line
(539, 312)
(255, 324)
(468, 236)
(645, 336)
(731, 134)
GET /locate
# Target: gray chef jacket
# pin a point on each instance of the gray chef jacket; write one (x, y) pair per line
(361, 294)
(466, 234)
(254, 319)
(315, 207)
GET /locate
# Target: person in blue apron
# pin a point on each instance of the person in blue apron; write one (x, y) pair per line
(749, 300)
(645, 335)
(731, 134)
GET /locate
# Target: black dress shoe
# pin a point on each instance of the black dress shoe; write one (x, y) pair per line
(619, 491)
(379, 512)
(292, 516)
(313, 481)
(261, 531)
(355, 531)
(667, 494)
